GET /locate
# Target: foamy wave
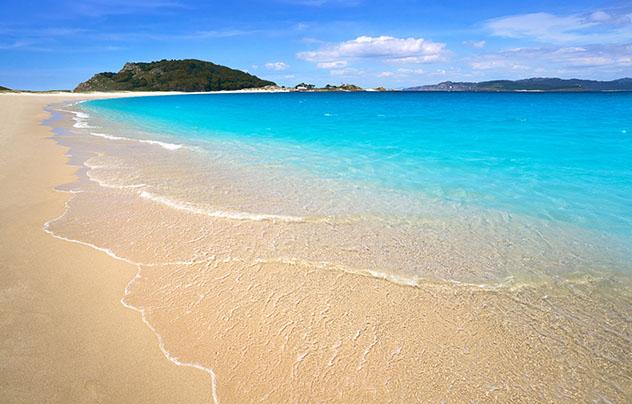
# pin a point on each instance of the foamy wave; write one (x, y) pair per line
(80, 120)
(187, 207)
(164, 145)
(168, 146)
(101, 249)
(105, 184)
(81, 124)
(393, 278)
(410, 281)
(110, 137)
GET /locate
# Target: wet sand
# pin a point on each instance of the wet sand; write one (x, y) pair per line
(64, 335)
(298, 333)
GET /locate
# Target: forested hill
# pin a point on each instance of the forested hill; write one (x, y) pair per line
(173, 75)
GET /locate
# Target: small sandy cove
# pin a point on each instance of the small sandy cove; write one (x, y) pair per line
(64, 335)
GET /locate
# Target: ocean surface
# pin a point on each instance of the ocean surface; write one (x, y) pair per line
(559, 157)
(557, 160)
(270, 221)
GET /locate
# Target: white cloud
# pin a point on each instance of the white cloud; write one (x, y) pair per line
(598, 27)
(415, 59)
(475, 44)
(386, 74)
(278, 66)
(540, 26)
(616, 59)
(332, 65)
(386, 48)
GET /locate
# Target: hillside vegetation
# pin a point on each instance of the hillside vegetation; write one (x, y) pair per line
(173, 75)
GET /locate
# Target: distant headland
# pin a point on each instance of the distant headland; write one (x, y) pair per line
(540, 84)
(189, 75)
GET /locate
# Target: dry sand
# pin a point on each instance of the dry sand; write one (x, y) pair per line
(64, 335)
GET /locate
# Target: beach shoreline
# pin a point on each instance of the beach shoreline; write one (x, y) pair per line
(278, 329)
(66, 337)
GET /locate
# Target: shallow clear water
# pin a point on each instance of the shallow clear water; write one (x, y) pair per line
(251, 216)
(560, 157)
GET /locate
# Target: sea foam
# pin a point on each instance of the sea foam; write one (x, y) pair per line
(80, 120)
(164, 145)
(236, 215)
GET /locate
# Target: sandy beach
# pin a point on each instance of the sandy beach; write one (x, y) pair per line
(300, 328)
(65, 336)
(315, 201)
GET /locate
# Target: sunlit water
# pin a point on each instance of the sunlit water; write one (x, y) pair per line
(233, 203)
(556, 162)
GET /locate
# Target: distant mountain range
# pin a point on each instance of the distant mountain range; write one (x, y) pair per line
(532, 84)
(173, 75)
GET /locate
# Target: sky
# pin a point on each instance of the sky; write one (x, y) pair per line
(395, 44)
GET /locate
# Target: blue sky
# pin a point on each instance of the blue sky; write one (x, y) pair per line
(397, 43)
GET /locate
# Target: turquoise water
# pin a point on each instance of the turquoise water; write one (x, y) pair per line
(558, 157)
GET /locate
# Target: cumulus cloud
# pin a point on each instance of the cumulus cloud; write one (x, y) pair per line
(386, 48)
(278, 66)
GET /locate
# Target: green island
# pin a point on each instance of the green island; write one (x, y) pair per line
(189, 75)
